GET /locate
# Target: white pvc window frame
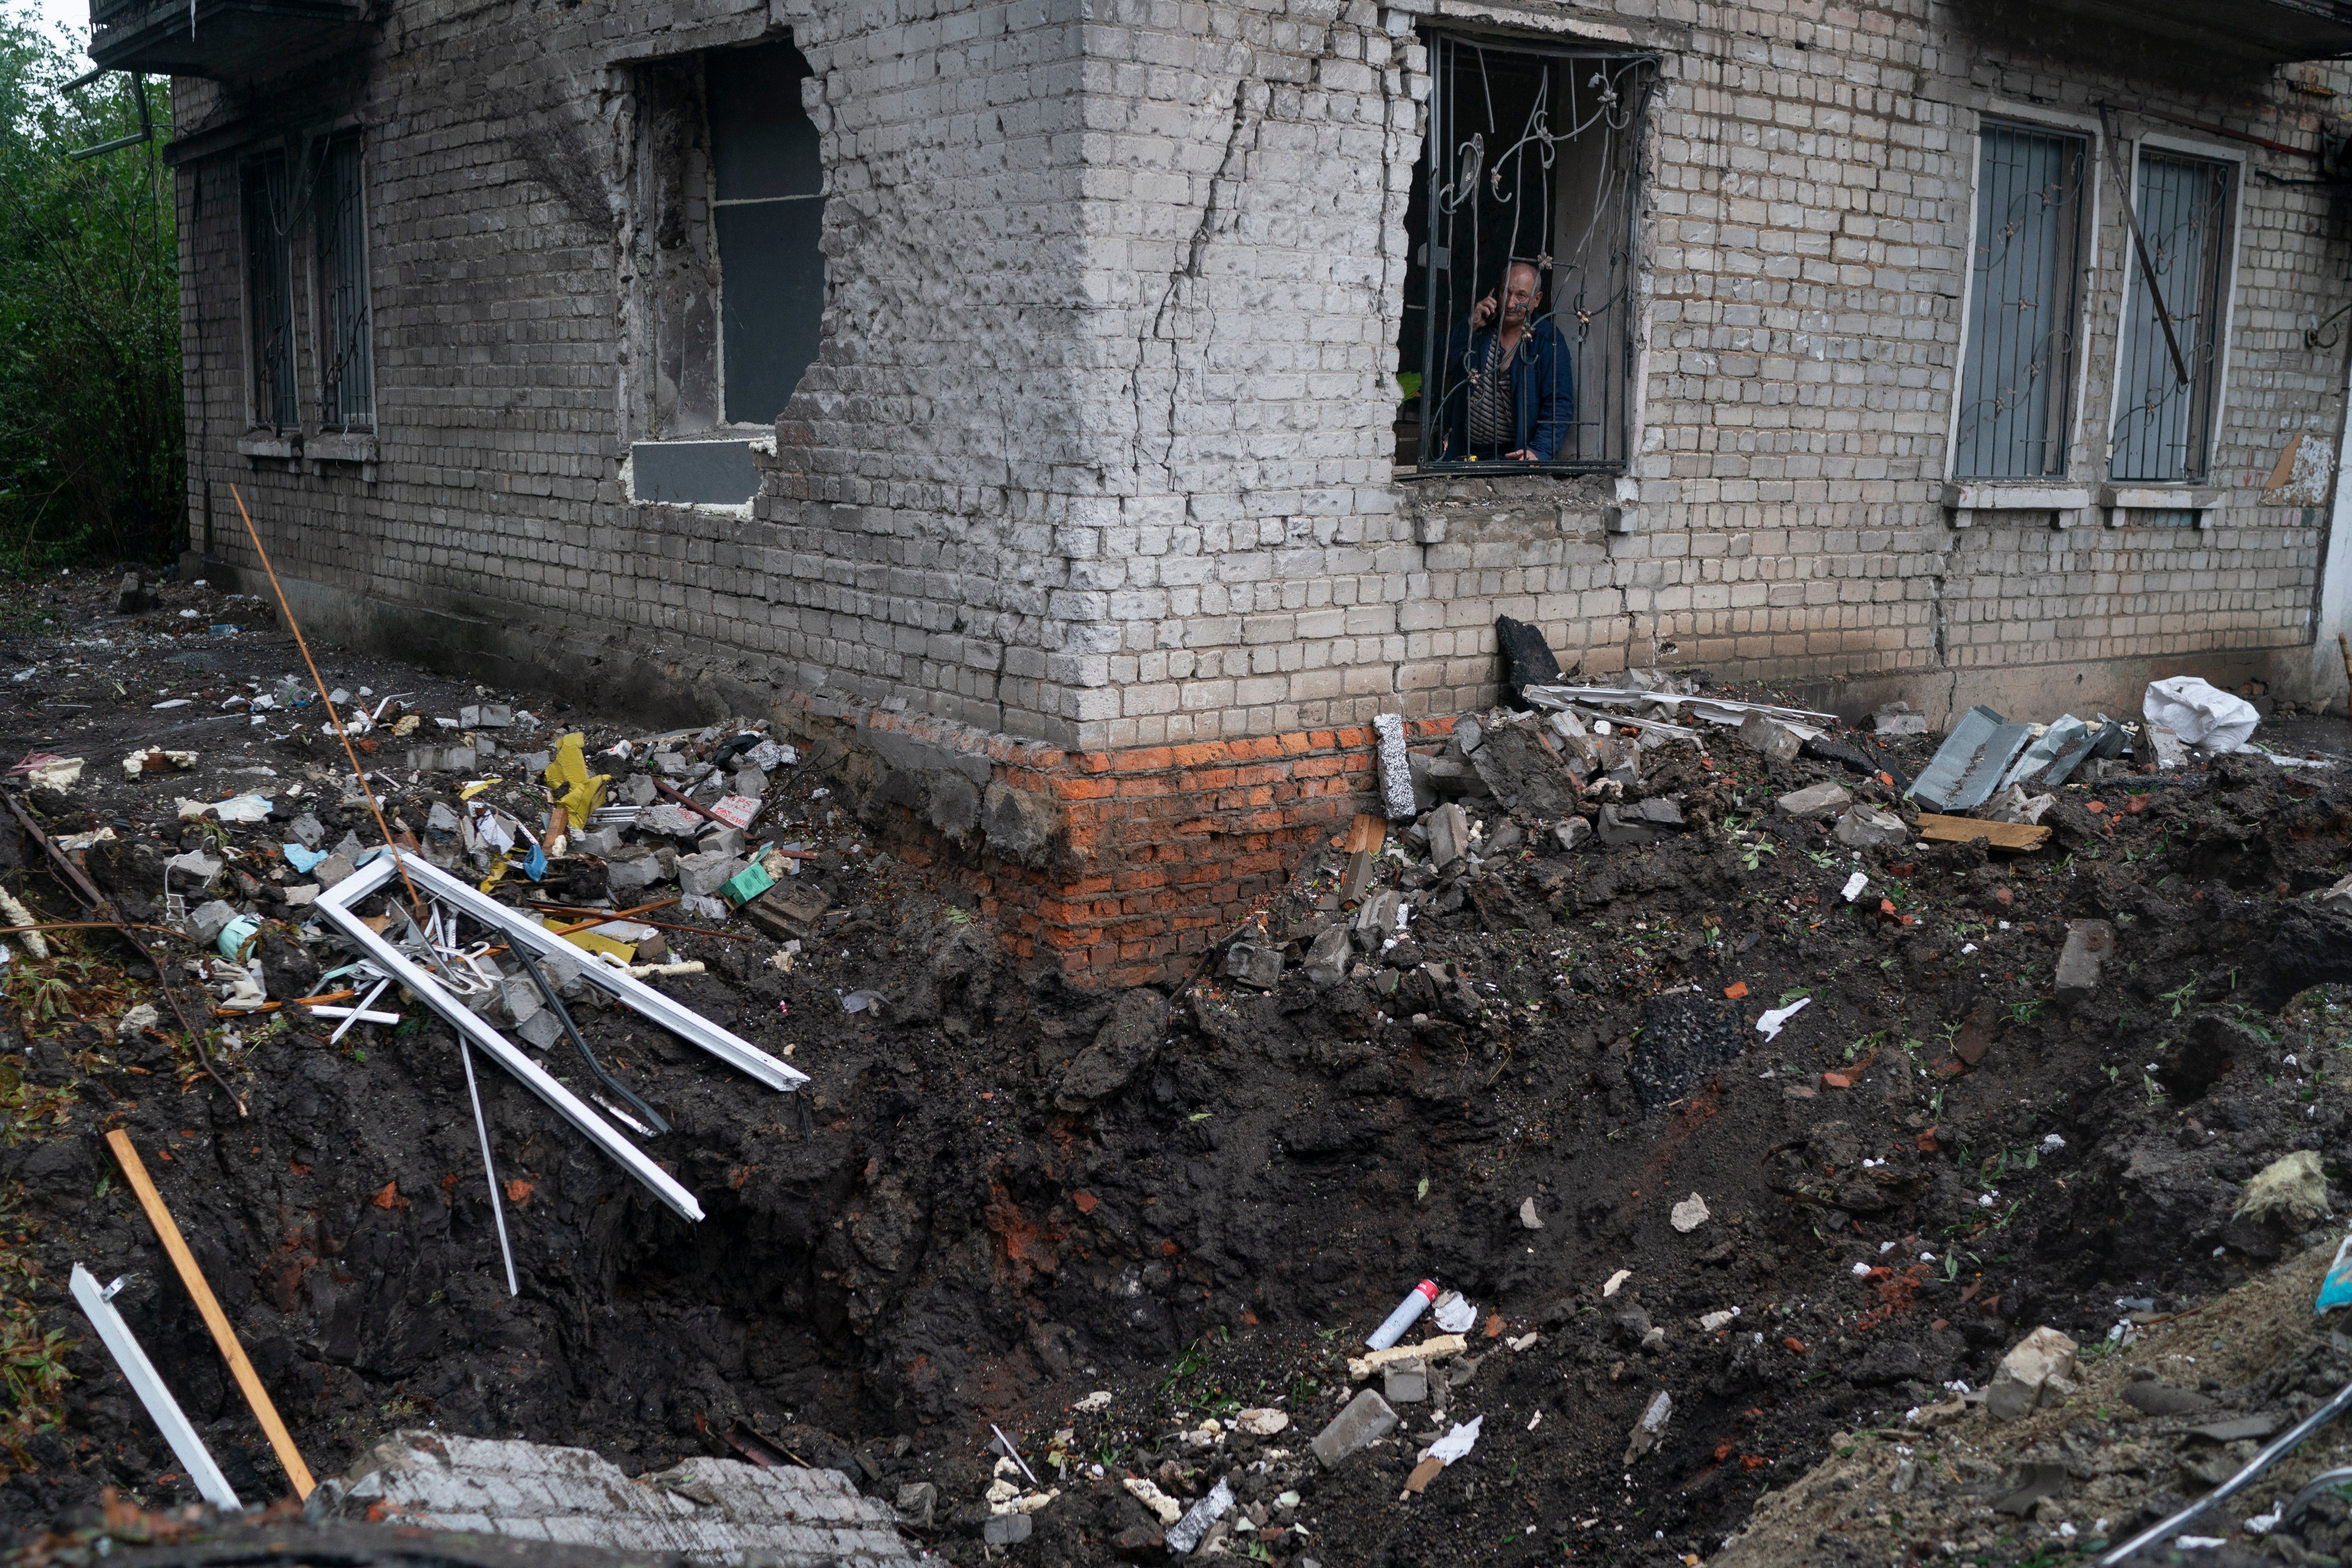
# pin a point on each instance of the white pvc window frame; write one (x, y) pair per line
(2086, 302)
(2218, 419)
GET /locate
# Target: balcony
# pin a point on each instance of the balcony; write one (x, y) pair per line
(223, 39)
(2187, 34)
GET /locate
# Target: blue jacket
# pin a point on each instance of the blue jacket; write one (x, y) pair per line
(1543, 384)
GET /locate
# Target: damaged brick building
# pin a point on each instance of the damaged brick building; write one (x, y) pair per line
(1079, 402)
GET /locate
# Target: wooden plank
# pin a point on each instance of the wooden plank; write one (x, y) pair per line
(167, 1230)
(1939, 829)
(1367, 834)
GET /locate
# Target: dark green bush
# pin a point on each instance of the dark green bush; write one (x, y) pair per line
(93, 455)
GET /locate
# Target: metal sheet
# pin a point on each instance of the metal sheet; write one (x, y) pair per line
(120, 1343)
(2046, 762)
(631, 993)
(336, 907)
(1968, 765)
(1714, 710)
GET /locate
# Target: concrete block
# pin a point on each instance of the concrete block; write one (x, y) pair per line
(1774, 739)
(1864, 827)
(671, 820)
(1255, 964)
(601, 842)
(1405, 1382)
(2039, 1370)
(631, 867)
(1572, 832)
(702, 875)
(1366, 1420)
(1814, 799)
(2089, 944)
(1449, 835)
(1327, 955)
(209, 921)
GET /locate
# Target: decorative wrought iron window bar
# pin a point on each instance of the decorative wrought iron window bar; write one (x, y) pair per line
(347, 388)
(2164, 421)
(1534, 156)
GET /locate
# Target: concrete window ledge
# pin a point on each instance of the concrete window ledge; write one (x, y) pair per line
(351, 448)
(284, 448)
(2120, 501)
(1968, 497)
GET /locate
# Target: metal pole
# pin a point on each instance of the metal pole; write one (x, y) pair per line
(482, 1126)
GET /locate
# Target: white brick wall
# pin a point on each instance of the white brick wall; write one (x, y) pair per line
(1098, 447)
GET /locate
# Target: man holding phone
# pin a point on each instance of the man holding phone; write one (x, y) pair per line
(1509, 386)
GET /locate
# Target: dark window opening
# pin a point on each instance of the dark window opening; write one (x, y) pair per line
(768, 190)
(270, 291)
(2164, 418)
(2017, 351)
(1523, 250)
(347, 362)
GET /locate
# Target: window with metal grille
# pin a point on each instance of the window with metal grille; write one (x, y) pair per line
(1523, 256)
(768, 185)
(2167, 380)
(268, 291)
(2017, 351)
(346, 359)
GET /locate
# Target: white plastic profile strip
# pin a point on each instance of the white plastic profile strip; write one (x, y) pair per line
(678, 1019)
(336, 906)
(186, 1447)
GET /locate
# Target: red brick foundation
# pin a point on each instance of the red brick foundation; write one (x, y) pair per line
(1160, 849)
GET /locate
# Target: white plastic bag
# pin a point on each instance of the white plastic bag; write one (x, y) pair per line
(2201, 714)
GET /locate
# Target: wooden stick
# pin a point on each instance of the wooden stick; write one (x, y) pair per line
(2346, 649)
(275, 1006)
(662, 925)
(168, 1232)
(335, 718)
(602, 915)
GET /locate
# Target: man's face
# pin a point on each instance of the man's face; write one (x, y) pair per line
(1518, 295)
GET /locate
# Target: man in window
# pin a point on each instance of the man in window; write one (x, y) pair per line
(1510, 390)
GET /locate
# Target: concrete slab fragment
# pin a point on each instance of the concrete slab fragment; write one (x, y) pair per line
(714, 1511)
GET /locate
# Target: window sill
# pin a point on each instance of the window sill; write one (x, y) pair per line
(2205, 501)
(1966, 498)
(284, 448)
(339, 448)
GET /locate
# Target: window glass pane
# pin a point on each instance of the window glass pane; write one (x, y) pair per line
(1521, 258)
(761, 140)
(2162, 423)
(347, 395)
(769, 185)
(2017, 353)
(771, 305)
(269, 292)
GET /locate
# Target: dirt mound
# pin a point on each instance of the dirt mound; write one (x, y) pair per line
(996, 1197)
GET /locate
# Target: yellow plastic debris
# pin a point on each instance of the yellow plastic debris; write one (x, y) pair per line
(581, 792)
(626, 952)
(479, 785)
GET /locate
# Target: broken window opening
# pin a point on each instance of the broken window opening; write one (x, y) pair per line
(266, 198)
(767, 188)
(347, 359)
(1523, 257)
(2017, 351)
(2163, 425)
